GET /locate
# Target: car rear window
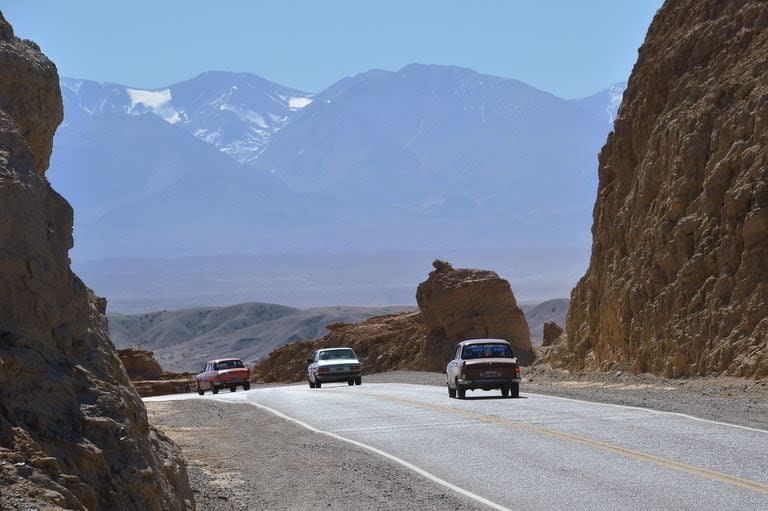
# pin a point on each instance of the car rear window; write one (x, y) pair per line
(487, 351)
(227, 364)
(337, 354)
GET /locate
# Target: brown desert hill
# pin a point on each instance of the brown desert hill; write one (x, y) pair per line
(678, 282)
(183, 340)
(73, 432)
(408, 341)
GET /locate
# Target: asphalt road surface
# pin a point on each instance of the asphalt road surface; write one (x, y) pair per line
(536, 452)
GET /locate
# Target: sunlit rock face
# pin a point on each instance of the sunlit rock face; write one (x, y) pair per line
(73, 432)
(678, 282)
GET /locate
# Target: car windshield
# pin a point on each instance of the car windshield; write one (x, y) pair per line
(487, 351)
(337, 354)
(227, 364)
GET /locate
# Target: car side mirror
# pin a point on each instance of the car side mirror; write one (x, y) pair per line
(309, 361)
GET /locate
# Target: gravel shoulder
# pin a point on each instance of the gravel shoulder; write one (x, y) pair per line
(243, 458)
(731, 400)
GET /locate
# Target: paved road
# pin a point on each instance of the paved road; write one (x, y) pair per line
(539, 452)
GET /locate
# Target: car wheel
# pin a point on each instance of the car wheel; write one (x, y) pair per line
(199, 390)
(214, 389)
(311, 384)
(318, 384)
(451, 392)
(351, 382)
(505, 391)
(515, 389)
(246, 386)
(461, 392)
(233, 388)
(358, 380)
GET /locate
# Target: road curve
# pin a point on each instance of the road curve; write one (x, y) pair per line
(537, 452)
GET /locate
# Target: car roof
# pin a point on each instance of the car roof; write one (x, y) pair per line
(215, 361)
(337, 348)
(483, 341)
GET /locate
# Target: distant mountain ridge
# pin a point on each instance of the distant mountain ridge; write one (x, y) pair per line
(237, 113)
(427, 157)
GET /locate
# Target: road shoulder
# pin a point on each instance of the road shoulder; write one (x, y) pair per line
(243, 458)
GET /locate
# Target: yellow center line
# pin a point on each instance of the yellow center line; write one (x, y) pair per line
(597, 444)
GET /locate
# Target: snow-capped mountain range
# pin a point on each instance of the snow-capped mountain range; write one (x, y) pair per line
(237, 113)
(425, 157)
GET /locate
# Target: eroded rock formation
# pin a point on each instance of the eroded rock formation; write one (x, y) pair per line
(551, 332)
(678, 280)
(460, 304)
(140, 364)
(73, 432)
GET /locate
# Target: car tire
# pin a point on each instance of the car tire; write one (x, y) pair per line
(233, 388)
(318, 384)
(451, 392)
(246, 386)
(214, 389)
(505, 391)
(311, 384)
(461, 393)
(351, 382)
(358, 380)
(515, 389)
(199, 390)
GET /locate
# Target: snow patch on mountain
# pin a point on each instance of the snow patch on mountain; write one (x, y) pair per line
(157, 101)
(298, 103)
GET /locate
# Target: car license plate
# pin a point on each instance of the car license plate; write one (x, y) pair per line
(490, 374)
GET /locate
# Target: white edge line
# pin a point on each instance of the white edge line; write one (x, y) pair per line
(650, 410)
(402, 462)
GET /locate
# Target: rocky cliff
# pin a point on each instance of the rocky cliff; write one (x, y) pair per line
(73, 432)
(455, 304)
(677, 283)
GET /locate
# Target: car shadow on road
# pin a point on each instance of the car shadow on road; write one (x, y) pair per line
(480, 398)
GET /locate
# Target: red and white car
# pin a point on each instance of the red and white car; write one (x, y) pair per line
(222, 373)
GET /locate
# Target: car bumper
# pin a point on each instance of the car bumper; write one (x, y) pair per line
(491, 383)
(229, 383)
(333, 377)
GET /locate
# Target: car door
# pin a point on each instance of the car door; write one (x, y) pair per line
(452, 365)
(312, 368)
(207, 377)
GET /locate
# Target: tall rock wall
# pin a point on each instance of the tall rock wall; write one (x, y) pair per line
(678, 279)
(73, 432)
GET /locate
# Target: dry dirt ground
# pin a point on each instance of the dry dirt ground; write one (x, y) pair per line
(242, 458)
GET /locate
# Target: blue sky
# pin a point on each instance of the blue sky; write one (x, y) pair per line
(567, 47)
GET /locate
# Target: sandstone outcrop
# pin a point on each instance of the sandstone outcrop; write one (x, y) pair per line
(678, 282)
(551, 332)
(73, 432)
(383, 343)
(140, 364)
(460, 303)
